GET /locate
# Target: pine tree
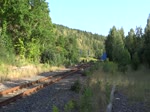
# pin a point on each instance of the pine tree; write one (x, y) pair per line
(129, 42)
(116, 50)
(109, 43)
(147, 42)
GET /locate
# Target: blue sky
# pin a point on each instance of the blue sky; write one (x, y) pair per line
(98, 16)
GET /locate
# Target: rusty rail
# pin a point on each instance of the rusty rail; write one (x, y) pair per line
(16, 88)
(34, 89)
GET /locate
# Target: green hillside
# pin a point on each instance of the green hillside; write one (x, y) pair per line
(89, 44)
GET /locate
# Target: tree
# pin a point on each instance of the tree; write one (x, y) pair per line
(118, 46)
(41, 26)
(124, 61)
(109, 43)
(26, 24)
(116, 50)
(114, 44)
(134, 43)
(139, 43)
(72, 50)
(135, 61)
(147, 42)
(129, 42)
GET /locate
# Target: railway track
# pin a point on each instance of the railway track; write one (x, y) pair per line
(12, 94)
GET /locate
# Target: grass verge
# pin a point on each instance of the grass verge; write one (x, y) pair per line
(134, 84)
(9, 72)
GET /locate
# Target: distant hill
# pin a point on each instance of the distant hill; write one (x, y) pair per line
(89, 44)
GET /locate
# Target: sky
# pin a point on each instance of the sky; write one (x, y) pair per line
(98, 16)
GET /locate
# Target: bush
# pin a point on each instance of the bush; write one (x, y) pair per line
(46, 56)
(110, 67)
(76, 86)
(52, 57)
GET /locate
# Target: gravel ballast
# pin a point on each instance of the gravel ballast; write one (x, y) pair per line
(121, 104)
(57, 94)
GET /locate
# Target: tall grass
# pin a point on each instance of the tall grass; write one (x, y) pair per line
(134, 84)
(11, 72)
(95, 94)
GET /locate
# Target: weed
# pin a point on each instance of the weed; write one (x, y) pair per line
(55, 109)
(69, 106)
(76, 86)
(86, 101)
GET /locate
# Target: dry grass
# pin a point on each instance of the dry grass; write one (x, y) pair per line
(135, 84)
(8, 72)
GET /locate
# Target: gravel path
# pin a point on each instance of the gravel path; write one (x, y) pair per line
(57, 94)
(120, 104)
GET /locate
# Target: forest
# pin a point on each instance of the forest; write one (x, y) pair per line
(27, 33)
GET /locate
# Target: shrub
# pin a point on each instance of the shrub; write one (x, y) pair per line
(110, 67)
(52, 57)
(76, 86)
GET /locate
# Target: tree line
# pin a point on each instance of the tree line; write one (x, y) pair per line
(27, 33)
(132, 49)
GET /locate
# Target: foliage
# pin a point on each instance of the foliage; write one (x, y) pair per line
(25, 24)
(124, 61)
(86, 101)
(52, 57)
(135, 61)
(147, 42)
(121, 49)
(55, 109)
(88, 44)
(69, 106)
(27, 32)
(129, 42)
(110, 67)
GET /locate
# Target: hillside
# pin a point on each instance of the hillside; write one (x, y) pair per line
(89, 44)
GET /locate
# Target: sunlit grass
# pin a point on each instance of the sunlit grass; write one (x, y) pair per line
(88, 59)
(9, 72)
(135, 84)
